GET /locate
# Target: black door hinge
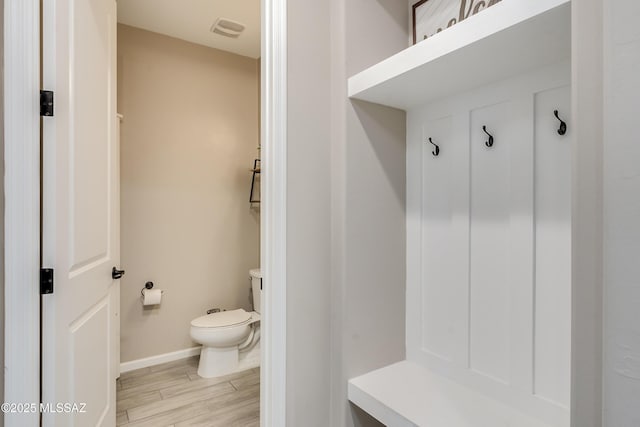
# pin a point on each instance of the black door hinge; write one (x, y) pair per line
(46, 103)
(46, 281)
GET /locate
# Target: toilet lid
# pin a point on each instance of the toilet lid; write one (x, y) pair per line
(222, 319)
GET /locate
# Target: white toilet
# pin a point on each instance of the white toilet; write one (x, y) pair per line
(227, 334)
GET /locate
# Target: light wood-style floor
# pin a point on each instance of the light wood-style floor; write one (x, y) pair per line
(173, 394)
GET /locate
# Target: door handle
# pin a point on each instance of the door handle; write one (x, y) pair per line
(116, 274)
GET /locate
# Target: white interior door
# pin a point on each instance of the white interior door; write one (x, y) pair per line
(80, 211)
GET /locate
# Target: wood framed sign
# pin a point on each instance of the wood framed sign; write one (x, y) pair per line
(432, 16)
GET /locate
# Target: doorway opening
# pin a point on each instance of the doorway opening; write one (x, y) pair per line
(188, 81)
(72, 41)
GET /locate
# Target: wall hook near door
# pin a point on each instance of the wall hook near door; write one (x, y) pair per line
(489, 142)
(436, 150)
(563, 126)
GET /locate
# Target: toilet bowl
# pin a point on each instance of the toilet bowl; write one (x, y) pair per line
(221, 335)
(224, 335)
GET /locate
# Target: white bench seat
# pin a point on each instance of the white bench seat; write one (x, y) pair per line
(406, 394)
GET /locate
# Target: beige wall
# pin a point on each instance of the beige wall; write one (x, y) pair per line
(188, 139)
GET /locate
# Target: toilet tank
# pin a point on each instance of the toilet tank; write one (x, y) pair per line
(256, 288)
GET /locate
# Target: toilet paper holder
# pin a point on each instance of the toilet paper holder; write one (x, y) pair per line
(148, 285)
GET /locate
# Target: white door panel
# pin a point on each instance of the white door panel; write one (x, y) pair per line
(81, 211)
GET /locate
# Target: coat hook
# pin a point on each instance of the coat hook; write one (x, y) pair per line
(488, 143)
(436, 151)
(563, 126)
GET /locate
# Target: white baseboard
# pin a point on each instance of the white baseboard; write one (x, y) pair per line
(159, 359)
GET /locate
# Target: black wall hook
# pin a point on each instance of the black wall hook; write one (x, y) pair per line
(488, 143)
(563, 126)
(436, 151)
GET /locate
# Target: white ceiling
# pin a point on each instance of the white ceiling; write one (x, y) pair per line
(191, 20)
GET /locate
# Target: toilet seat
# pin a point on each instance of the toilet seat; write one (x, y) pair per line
(223, 319)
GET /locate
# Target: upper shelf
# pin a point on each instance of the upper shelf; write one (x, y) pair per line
(505, 40)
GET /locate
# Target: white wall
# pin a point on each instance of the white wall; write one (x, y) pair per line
(586, 311)
(308, 213)
(368, 198)
(621, 384)
(345, 261)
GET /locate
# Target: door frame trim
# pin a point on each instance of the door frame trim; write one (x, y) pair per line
(22, 206)
(273, 251)
(22, 209)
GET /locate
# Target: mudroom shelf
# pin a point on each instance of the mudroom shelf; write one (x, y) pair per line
(505, 40)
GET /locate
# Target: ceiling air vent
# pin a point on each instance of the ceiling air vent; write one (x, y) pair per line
(227, 28)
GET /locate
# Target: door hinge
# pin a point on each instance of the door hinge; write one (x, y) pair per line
(46, 103)
(46, 281)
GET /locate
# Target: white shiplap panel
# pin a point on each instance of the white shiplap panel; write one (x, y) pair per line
(471, 264)
(521, 245)
(490, 240)
(553, 248)
(444, 307)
